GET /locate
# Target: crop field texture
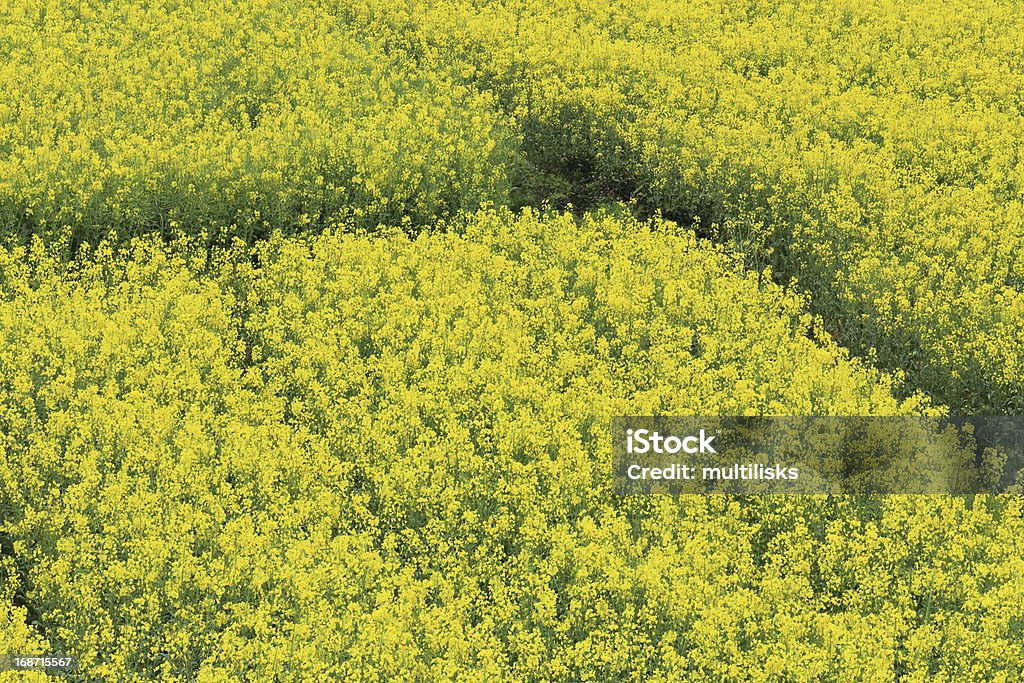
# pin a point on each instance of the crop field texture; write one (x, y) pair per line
(314, 317)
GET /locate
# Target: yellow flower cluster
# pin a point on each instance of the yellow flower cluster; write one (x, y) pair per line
(305, 406)
(384, 458)
(230, 118)
(870, 150)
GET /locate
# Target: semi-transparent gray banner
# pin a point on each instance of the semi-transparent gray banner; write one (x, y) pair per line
(808, 455)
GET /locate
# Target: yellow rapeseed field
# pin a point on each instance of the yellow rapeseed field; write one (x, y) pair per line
(314, 317)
